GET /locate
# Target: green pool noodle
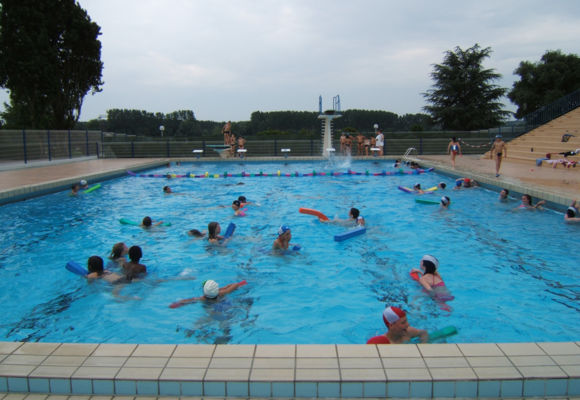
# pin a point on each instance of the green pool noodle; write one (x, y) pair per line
(91, 189)
(442, 333)
(425, 201)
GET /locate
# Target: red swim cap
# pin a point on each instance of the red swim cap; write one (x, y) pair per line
(392, 315)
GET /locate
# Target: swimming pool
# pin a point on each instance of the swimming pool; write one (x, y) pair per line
(512, 280)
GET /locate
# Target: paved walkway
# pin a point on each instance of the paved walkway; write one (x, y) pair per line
(558, 185)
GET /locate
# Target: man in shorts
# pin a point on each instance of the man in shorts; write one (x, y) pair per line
(498, 149)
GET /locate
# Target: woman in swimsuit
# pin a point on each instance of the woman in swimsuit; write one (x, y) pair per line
(453, 149)
(431, 280)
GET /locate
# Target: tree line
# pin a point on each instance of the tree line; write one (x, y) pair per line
(50, 59)
(289, 124)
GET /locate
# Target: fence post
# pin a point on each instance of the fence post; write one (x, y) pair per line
(203, 146)
(420, 146)
(24, 145)
(312, 147)
(87, 141)
(275, 147)
(48, 142)
(69, 146)
(97, 149)
(167, 148)
(132, 149)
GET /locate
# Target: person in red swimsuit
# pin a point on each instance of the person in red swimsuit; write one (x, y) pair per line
(399, 330)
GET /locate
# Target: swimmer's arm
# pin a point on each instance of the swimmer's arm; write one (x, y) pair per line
(183, 302)
(421, 333)
(425, 284)
(231, 287)
(539, 204)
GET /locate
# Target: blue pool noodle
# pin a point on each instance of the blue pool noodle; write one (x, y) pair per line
(347, 235)
(76, 268)
(230, 230)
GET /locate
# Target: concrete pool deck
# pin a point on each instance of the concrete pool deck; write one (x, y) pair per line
(77, 371)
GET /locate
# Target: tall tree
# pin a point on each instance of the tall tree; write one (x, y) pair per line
(50, 58)
(541, 83)
(464, 96)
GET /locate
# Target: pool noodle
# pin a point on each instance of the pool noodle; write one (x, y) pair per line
(405, 189)
(76, 268)
(92, 189)
(349, 234)
(316, 213)
(230, 230)
(423, 201)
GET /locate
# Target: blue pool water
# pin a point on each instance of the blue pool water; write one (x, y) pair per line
(513, 273)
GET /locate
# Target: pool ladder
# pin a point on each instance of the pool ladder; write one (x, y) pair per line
(406, 157)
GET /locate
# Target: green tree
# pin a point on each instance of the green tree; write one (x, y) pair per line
(541, 83)
(464, 96)
(50, 58)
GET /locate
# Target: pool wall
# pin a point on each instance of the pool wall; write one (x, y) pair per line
(469, 370)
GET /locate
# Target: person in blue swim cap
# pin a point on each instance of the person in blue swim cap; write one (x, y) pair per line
(282, 242)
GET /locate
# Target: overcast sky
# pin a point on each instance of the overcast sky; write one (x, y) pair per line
(226, 59)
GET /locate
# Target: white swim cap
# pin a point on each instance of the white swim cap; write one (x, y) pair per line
(445, 200)
(427, 257)
(83, 182)
(211, 289)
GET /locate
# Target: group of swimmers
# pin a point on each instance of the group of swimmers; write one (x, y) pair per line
(129, 269)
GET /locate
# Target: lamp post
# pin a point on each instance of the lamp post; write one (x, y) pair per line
(376, 126)
(161, 129)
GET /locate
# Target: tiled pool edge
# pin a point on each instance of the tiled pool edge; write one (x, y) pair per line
(467, 370)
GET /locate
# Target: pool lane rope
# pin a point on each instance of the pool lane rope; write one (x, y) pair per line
(244, 174)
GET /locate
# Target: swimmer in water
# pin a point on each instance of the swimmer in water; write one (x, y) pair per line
(399, 330)
(118, 254)
(282, 242)
(528, 204)
(572, 213)
(417, 189)
(430, 278)
(213, 233)
(354, 217)
(238, 210)
(148, 223)
(134, 269)
(74, 189)
(445, 202)
(503, 195)
(211, 292)
(196, 233)
(97, 270)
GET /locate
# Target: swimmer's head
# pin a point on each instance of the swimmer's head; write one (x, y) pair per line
(95, 264)
(135, 253)
(195, 233)
(466, 180)
(242, 199)
(430, 263)
(442, 185)
(417, 186)
(236, 204)
(354, 213)
(283, 229)
(213, 229)
(119, 250)
(83, 182)
(445, 201)
(458, 182)
(498, 136)
(166, 189)
(571, 212)
(392, 315)
(147, 221)
(504, 193)
(211, 289)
